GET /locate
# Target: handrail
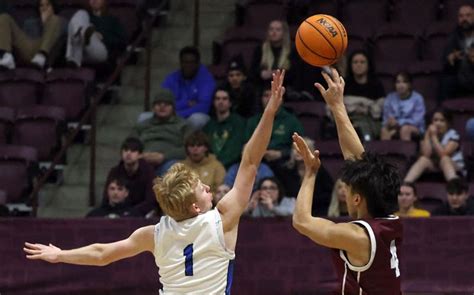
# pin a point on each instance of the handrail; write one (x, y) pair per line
(196, 24)
(95, 100)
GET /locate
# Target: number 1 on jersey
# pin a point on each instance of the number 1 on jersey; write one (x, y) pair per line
(188, 261)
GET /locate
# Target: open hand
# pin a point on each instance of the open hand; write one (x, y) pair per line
(335, 92)
(278, 90)
(311, 159)
(47, 253)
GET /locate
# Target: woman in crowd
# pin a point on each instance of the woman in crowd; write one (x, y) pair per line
(269, 200)
(406, 202)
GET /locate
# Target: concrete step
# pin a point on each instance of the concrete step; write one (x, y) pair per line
(124, 116)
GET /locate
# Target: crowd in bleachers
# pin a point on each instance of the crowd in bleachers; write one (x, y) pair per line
(409, 76)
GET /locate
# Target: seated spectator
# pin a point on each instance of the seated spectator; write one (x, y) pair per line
(459, 202)
(94, 36)
(163, 134)
(440, 150)
(31, 50)
(199, 158)
(403, 111)
(118, 204)
(220, 193)
(338, 205)
(363, 95)
(274, 53)
(269, 200)
(294, 177)
(470, 129)
(241, 91)
(406, 202)
(279, 148)
(263, 171)
(456, 48)
(465, 75)
(139, 176)
(225, 130)
(192, 86)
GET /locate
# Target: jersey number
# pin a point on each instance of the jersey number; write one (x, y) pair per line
(188, 260)
(394, 259)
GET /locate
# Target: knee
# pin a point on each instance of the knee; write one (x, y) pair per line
(445, 160)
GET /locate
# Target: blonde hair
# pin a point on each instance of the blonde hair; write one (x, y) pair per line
(290, 164)
(267, 54)
(334, 210)
(175, 191)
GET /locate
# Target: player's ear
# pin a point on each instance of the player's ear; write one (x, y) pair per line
(357, 198)
(195, 208)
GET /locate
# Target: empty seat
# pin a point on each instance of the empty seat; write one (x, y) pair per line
(395, 44)
(426, 81)
(324, 7)
(364, 15)
(399, 153)
(415, 14)
(7, 115)
(431, 195)
(462, 109)
(69, 89)
(39, 127)
(17, 164)
(20, 87)
(316, 108)
(435, 39)
(260, 13)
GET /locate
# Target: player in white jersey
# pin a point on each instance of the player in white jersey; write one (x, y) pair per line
(193, 244)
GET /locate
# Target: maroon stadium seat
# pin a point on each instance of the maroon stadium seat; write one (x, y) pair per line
(20, 87)
(260, 13)
(364, 15)
(435, 39)
(415, 14)
(431, 195)
(395, 44)
(399, 153)
(462, 109)
(425, 76)
(7, 115)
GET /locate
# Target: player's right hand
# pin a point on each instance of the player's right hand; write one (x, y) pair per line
(278, 90)
(49, 253)
(311, 159)
(334, 94)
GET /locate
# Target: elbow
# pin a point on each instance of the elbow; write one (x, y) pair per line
(100, 257)
(299, 224)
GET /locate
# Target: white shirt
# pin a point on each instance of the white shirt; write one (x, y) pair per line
(191, 255)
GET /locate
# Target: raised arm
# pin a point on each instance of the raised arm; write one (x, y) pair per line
(236, 200)
(95, 254)
(346, 236)
(348, 139)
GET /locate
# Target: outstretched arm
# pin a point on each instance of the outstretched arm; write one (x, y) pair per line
(346, 236)
(96, 254)
(236, 200)
(348, 139)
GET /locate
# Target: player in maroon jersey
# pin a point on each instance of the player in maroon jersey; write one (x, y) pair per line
(366, 249)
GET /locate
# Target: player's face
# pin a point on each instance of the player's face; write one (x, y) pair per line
(196, 152)
(203, 197)
(402, 86)
(440, 122)
(116, 193)
(360, 65)
(465, 17)
(275, 31)
(406, 197)
(130, 157)
(222, 101)
(235, 78)
(163, 110)
(457, 201)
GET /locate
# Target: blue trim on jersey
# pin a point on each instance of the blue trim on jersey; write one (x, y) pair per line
(230, 276)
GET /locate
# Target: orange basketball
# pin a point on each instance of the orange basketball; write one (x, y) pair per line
(321, 40)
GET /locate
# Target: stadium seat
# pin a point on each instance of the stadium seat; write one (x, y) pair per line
(425, 76)
(260, 13)
(399, 153)
(431, 195)
(435, 38)
(16, 166)
(395, 44)
(20, 87)
(415, 14)
(462, 109)
(7, 115)
(324, 7)
(364, 15)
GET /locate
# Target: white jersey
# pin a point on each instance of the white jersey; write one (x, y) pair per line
(191, 255)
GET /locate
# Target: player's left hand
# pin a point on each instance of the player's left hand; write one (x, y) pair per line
(311, 159)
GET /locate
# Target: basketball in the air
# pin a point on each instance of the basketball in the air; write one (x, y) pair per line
(321, 40)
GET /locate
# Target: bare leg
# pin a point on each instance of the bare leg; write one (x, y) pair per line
(406, 132)
(448, 168)
(386, 133)
(423, 163)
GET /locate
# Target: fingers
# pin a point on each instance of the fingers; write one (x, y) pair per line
(320, 88)
(335, 75)
(33, 246)
(328, 79)
(31, 251)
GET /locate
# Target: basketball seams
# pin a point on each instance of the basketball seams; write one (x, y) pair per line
(312, 51)
(325, 38)
(341, 29)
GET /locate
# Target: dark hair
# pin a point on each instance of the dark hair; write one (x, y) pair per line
(53, 3)
(411, 185)
(281, 191)
(375, 180)
(370, 65)
(456, 186)
(120, 181)
(220, 89)
(132, 144)
(448, 116)
(197, 138)
(190, 50)
(406, 77)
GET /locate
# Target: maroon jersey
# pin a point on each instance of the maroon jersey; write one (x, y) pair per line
(381, 275)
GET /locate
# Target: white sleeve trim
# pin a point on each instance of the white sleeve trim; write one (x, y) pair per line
(373, 249)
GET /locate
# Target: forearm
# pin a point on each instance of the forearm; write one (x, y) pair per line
(258, 142)
(304, 201)
(426, 146)
(438, 148)
(93, 254)
(348, 139)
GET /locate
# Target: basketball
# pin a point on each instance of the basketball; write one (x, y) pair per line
(321, 40)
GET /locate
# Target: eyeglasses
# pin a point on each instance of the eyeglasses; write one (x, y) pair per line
(269, 188)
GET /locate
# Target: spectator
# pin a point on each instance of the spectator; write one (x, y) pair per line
(192, 85)
(33, 50)
(225, 130)
(338, 207)
(220, 193)
(269, 200)
(241, 91)
(284, 126)
(465, 76)
(117, 205)
(470, 129)
(263, 171)
(459, 202)
(406, 202)
(274, 53)
(459, 41)
(94, 36)
(163, 134)
(440, 150)
(199, 158)
(363, 95)
(404, 111)
(294, 176)
(139, 176)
